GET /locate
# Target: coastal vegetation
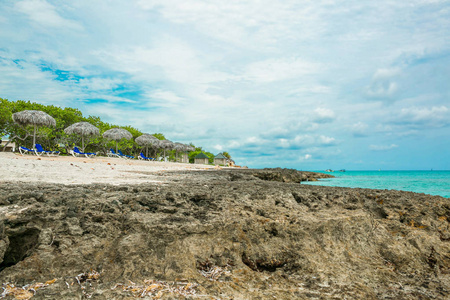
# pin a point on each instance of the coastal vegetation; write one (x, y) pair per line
(56, 139)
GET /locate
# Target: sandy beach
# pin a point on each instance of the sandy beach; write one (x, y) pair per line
(80, 170)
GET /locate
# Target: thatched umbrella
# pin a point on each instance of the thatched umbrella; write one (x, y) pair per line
(166, 145)
(189, 148)
(179, 147)
(82, 128)
(147, 140)
(35, 118)
(117, 134)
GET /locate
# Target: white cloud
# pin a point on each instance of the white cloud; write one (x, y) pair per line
(316, 89)
(436, 116)
(277, 133)
(284, 143)
(218, 147)
(306, 141)
(383, 147)
(359, 129)
(382, 74)
(100, 84)
(246, 24)
(162, 98)
(326, 140)
(112, 98)
(324, 115)
(254, 141)
(44, 13)
(380, 89)
(383, 84)
(279, 69)
(234, 145)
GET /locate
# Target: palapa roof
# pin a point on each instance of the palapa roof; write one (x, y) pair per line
(220, 156)
(166, 144)
(82, 128)
(147, 140)
(33, 117)
(117, 134)
(201, 155)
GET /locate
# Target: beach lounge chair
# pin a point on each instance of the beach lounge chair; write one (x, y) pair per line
(143, 157)
(39, 151)
(124, 155)
(112, 153)
(76, 152)
(24, 150)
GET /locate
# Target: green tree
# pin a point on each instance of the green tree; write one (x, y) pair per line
(64, 117)
(8, 128)
(226, 154)
(200, 150)
(159, 136)
(5, 117)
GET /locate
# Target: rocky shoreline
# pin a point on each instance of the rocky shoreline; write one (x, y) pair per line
(225, 234)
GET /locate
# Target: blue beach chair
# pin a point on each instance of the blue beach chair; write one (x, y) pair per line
(124, 155)
(24, 150)
(76, 152)
(112, 153)
(39, 151)
(143, 157)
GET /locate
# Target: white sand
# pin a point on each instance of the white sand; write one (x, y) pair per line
(78, 170)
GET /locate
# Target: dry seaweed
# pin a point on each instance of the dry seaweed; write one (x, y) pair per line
(156, 289)
(25, 292)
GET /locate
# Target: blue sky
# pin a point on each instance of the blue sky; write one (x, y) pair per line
(303, 84)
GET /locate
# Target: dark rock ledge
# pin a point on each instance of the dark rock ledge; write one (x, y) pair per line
(274, 237)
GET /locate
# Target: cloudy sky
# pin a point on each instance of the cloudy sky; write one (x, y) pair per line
(352, 84)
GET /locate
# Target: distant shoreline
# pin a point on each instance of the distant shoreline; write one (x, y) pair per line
(436, 182)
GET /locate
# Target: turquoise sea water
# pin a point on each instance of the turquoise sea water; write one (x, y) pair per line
(428, 182)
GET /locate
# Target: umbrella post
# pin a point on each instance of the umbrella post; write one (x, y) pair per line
(34, 137)
(82, 142)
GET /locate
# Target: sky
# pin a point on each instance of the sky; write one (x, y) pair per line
(310, 85)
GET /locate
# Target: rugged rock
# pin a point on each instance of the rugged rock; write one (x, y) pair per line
(288, 175)
(275, 239)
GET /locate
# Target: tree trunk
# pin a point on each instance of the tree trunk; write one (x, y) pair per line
(12, 139)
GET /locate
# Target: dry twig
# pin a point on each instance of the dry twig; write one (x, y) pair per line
(26, 292)
(212, 272)
(156, 289)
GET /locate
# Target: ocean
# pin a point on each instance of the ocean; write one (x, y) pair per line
(428, 182)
